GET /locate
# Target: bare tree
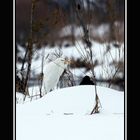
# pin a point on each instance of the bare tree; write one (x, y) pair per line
(30, 43)
(88, 43)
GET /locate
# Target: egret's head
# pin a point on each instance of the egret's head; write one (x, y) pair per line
(67, 61)
(63, 61)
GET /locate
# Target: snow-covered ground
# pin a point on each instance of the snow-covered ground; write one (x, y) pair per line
(64, 114)
(95, 31)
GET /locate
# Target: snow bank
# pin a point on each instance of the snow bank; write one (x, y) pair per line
(63, 115)
(74, 100)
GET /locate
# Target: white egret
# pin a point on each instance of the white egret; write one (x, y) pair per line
(52, 73)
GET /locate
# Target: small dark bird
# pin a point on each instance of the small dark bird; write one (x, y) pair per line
(86, 81)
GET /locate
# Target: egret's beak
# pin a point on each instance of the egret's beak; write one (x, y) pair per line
(67, 62)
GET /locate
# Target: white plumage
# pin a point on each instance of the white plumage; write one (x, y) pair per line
(52, 73)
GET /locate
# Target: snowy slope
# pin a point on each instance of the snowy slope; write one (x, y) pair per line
(64, 115)
(76, 100)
